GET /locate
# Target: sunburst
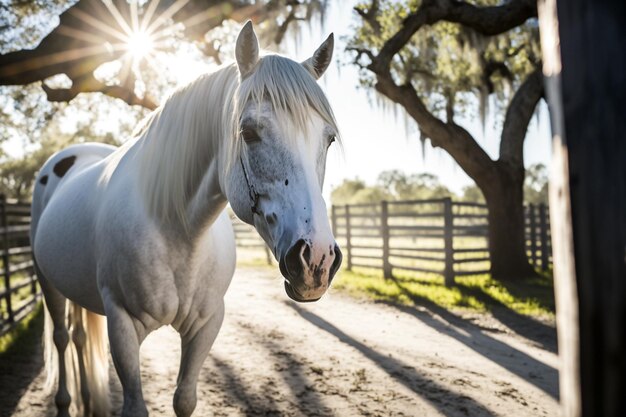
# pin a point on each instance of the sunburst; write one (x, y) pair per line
(140, 44)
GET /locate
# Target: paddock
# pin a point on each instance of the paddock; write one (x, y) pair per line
(339, 357)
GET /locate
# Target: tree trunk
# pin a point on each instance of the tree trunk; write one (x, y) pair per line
(504, 195)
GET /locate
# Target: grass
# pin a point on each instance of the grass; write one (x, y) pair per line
(480, 293)
(23, 339)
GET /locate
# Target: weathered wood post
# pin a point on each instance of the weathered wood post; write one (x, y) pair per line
(532, 217)
(348, 240)
(448, 240)
(584, 64)
(5, 257)
(384, 229)
(543, 236)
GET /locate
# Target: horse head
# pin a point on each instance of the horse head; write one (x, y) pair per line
(283, 127)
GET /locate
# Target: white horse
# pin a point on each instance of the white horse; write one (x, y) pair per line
(139, 233)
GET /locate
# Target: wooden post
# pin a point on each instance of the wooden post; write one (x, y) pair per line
(384, 228)
(532, 216)
(543, 236)
(348, 240)
(448, 241)
(584, 64)
(5, 257)
(333, 219)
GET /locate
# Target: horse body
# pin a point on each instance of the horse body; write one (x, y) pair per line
(139, 233)
(151, 270)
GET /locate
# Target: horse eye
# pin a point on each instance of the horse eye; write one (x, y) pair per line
(331, 139)
(250, 135)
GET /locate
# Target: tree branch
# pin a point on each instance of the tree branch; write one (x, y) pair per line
(90, 84)
(86, 38)
(370, 15)
(518, 116)
(486, 20)
(457, 141)
(491, 20)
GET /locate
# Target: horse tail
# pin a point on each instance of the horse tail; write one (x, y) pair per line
(86, 360)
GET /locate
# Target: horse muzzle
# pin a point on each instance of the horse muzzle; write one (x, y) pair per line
(309, 270)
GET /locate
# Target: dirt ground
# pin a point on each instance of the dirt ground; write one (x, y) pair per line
(339, 357)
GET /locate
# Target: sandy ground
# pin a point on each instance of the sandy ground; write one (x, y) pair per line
(339, 357)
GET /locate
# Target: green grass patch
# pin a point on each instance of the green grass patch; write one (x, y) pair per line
(23, 339)
(533, 296)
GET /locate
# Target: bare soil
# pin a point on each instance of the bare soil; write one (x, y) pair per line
(338, 357)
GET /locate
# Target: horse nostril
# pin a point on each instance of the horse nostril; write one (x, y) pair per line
(336, 264)
(293, 263)
(306, 254)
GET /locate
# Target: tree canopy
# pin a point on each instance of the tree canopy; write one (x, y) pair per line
(53, 52)
(76, 38)
(449, 64)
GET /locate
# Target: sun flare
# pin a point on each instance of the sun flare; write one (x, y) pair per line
(139, 44)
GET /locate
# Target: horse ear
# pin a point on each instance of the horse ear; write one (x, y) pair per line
(320, 60)
(246, 50)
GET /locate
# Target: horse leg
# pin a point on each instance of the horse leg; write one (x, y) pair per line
(125, 337)
(56, 305)
(195, 348)
(79, 337)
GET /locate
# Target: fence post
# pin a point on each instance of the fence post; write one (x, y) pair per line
(448, 225)
(543, 230)
(384, 228)
(5, 257)
(533, 234)
(333, 219)
(348, 239)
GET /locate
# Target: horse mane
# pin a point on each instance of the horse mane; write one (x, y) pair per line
(179, 139)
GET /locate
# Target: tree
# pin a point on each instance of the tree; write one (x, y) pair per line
(91, 33)
(391, 185)
(472, 194)
(435, 58)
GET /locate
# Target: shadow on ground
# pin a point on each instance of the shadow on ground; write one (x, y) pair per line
(484, 344)
(402, 372)
(21, 363)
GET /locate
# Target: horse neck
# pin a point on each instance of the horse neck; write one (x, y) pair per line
(183, 147)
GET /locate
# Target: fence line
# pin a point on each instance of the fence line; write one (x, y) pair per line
(247, 237)
(437, 236)
(19, 290)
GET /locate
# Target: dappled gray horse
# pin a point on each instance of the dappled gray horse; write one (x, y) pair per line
(139, 233)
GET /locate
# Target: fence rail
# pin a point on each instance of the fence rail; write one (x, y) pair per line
(247, 238)
(19, 290)
(439, 236)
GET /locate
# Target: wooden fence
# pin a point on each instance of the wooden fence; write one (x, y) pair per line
(439, 236)
(19, 290)
(248, 239)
